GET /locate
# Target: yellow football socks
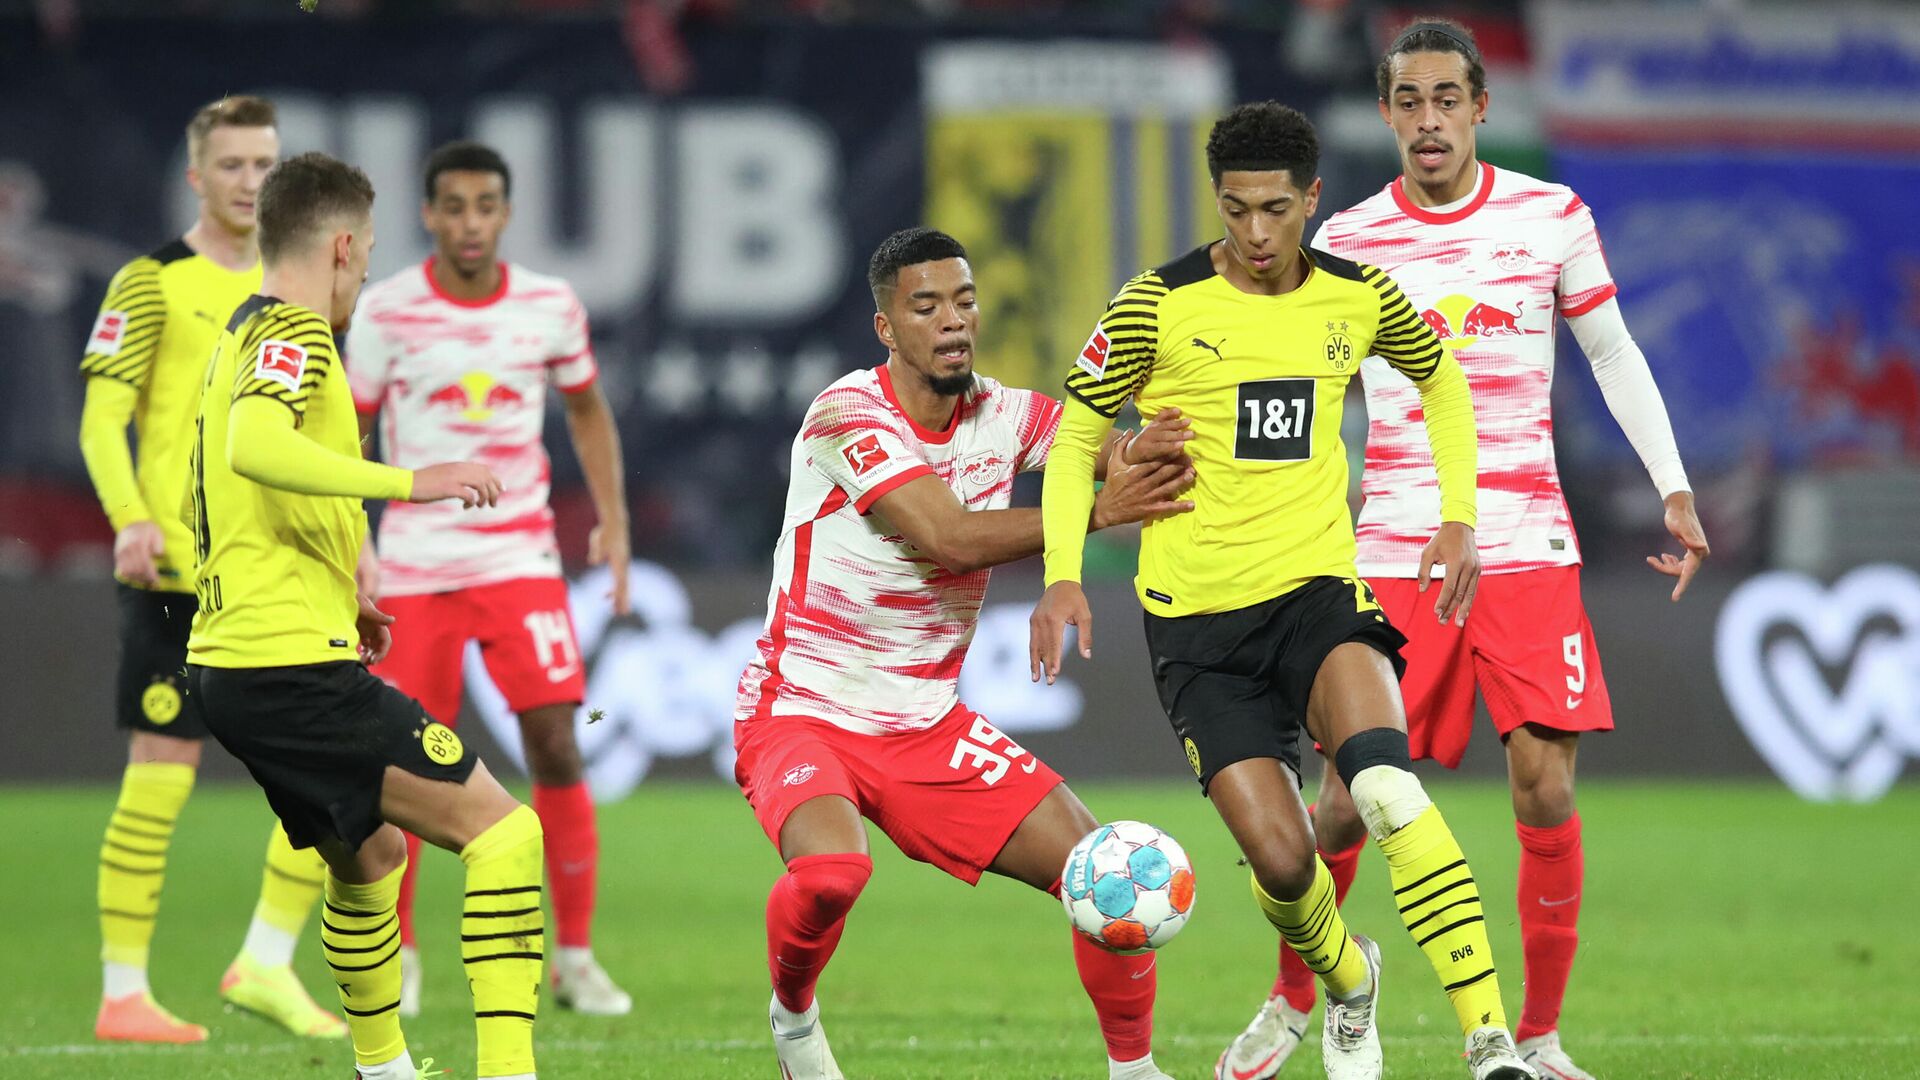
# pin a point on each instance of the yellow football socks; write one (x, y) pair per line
(290, 885)
(1439, 902)
(1314, 929)
(502, 935)
(360, 934)
(133, 857)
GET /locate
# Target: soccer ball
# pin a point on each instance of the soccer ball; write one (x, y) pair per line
(1127, 887)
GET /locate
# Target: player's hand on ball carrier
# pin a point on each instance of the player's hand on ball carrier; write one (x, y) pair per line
(469, 481)
(1162, 441)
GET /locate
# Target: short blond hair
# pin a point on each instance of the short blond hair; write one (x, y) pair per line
(241, 110)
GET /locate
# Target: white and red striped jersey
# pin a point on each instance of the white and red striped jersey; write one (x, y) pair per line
(1490, 275)
(863, 630)
(460, 380)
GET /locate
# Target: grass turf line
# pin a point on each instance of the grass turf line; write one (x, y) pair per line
(1728, 931)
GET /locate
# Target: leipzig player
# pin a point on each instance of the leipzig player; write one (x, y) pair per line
(457, 355)
(898, 507)
(1491, 258)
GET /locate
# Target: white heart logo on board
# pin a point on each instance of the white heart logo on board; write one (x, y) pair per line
(1826, 681)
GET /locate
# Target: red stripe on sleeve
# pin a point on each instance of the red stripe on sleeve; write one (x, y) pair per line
(865, 502)
(1605, 294)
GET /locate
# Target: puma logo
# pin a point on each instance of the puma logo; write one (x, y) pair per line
(1210, 348)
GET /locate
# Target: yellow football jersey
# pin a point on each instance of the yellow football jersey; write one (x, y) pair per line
(1263, 380)
(157, 326)
(275, 568)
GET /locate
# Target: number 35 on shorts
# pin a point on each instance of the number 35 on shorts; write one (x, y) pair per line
(975, 751)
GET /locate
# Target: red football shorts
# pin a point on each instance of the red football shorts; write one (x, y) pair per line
(950, 795)
(1527, 644)
(525, 630)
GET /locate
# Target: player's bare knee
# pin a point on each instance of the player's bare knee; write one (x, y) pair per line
(553, 753)
(1543, 800)
(1283, 873)
(383, 852)
(1337, 825)
(1377, 767)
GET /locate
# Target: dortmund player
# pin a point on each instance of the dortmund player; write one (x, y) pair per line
(1493, 259)
(279, 644)
(1256, 620)
(144, 362)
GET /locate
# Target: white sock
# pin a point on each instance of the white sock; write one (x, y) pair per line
(119, 980)
(400, 1068)
(569, 957)
(789, 1023)
(267, 944)
(1137, 1069)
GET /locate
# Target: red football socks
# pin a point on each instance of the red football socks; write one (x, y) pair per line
(573, 859)
(1122, 989)
(1296, 984)
(806, 912)
(1552, 870)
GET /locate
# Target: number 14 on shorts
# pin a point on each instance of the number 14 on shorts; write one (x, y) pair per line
(975, 751)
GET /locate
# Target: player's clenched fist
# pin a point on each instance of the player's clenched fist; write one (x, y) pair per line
(469, 481)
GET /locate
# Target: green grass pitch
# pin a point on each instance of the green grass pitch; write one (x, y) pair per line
(1729, 931)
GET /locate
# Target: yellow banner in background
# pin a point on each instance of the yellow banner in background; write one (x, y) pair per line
(1065, 170)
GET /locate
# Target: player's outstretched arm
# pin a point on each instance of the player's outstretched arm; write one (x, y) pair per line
(263, 446)
(1626, 381)
(1132, 493)
(1066, 500)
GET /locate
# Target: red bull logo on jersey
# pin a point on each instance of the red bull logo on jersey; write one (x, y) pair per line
(1459, 321)
(1511, 256)
(981, 473)
(477, 395)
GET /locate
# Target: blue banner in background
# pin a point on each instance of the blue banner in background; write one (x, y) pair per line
(1776, 295)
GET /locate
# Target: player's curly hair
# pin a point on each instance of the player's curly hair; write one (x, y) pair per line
(908, 247)
(1433, 35)
(303, 194)
(466, 155)
(1264, 136)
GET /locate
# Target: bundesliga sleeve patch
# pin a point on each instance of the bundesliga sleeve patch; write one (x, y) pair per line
(281, 361)
(108, 329)
(1093, 358)
(865, 455)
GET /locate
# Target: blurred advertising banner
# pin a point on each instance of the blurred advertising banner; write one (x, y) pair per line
(719, 237)
(1820, 678)
(1825, 680)
(1750, 170)
(1066, 168)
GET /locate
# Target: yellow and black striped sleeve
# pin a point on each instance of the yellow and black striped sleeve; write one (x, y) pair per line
(286, 355)
(1404, 340)
(1120, 354)
(126, 334)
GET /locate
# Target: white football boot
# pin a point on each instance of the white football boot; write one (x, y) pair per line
(1491, 1055)
(409, 981)
(1349, 1039)
(581, 984)
(803, 1050)
(1258, 1052)
(1552, 1063)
